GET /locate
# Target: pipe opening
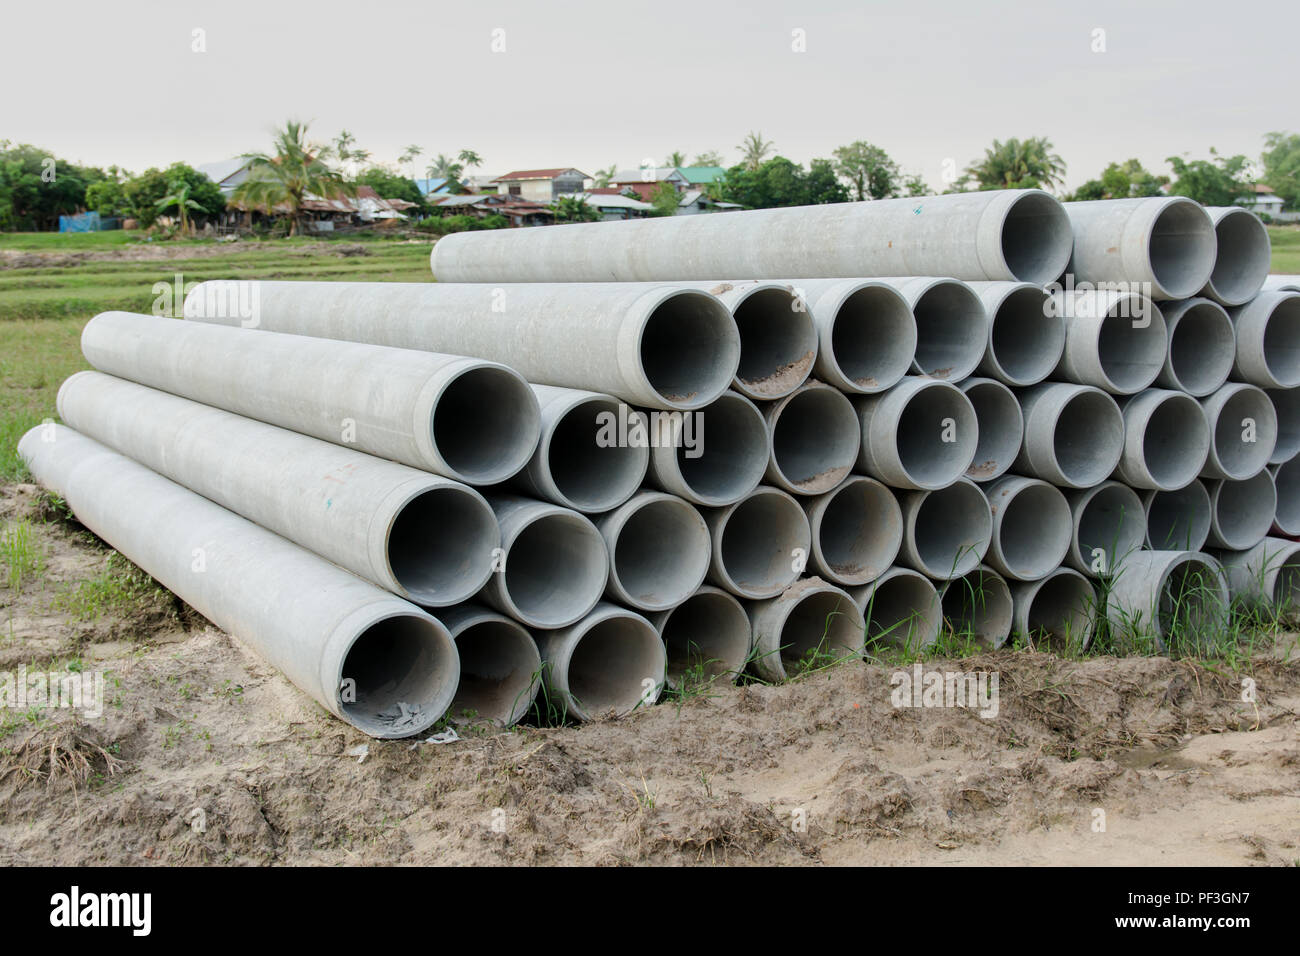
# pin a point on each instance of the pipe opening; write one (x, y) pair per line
(589, 476)
(1178, 520)
(778, 342)
(859, 531)
(1131, 346)
(398, 666)
(978, 606)
(1060, 613)
(485, 425)
(902, 613)
(1182, 249)
(500, 671)
(1113, 522)
(1175, 441)
(730, 462)
(1088, 438)
(1202, 344)
(932, 414)
(661, 553)
(556, 569)
(1243, 511)
(1282, 342)
(1000, 428)
(689, 349)
(1191, 600)
(1287, 482)
(439, 547)
(1034, 531)
(1286, 585)
(1037, 239)
(824, 626)
(951, 331)
(1286, 406)
(1027, 337)
(758, 542)
(1237, 456)
(873, 337)
(706, 636)
(611, 660)
(815, 439)
(1243, 258)
(951, 530)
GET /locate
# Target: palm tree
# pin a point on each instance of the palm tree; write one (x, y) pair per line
(346, 151)
(469, 159)
(1018, 164)
(178, 194)
(443, 167)
(754, 150)
(408, 155)
(603, 176)
(574, 209)
(675, 159)
(285, 176)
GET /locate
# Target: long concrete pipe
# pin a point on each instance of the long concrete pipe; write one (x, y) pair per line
(1116, 341)
(815, 439)
(609, 663)
(464, 418)
(587, 459)
(1168, 243)
(978, 607)
(1286, 407)
(370, 658)
(707, 636)
(1281, 283)
(1241, 512)
(1265, 576)
(1000, 427)
(866, 332)
(659, 346)
(1202, 346)
(1268, 340)
(1074, 434)
(857, 529)
(1167, 597)
(1243, 426)
(1005, 234)
(724, 467)
(1109, 524)
(1244, 252)
(427, 538)
(500, 667)
(952, 326)
(1026, 335)
(659, 551)
(807, 626)
(1058, 611)
(946, 532)
(1178, 520)
(1166, 440)
(553, 563)
(921, 434)
(1031, 527)
(1286, 480)
(760, 543)
(901, 609)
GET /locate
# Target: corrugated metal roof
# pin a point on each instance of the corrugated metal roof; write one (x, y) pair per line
(699, 175)
(539, 174)
(612, 201)
(647, 175)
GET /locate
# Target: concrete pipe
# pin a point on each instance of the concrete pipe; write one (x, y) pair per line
(1241, 512)
(1178, 520)
(1109, 523)
(778, 342)
(1002, 234)
(500, 667)
(706, 637)
(658, 346)
(1032, 527)
(593, 452)
(815, 439)
(1268, 340)
(952, 328)
(1166, 242)
(978, 607)
(1116, 341)
(722, 470)
(857, 529)
(760, 543)
(1202, 344)
(1026, 335)
(1243, 424)
(464, 418)
(427, 538)
(1281, 284)
(866, 332)
(922, 434)
(370, 658)
(659, 551)
(1242, 260)
(1074, 434)
(1266, 576)
(1172, 597)
(947, 532)
(1166, 440)
(809, 625)
(1001, 427)
(1286, 408)
(1058, 611)
(553, 563)
(1286, 480)
(608, 664)
(901, 609)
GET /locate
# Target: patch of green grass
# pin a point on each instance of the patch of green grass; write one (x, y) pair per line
(119, 588)
(22, 555)
(35, 358)
(1286, 249)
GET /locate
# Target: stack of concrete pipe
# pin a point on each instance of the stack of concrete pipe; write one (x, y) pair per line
(593, 461)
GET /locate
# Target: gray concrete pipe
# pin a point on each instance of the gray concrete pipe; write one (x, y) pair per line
(500, 667)
(760, 543)
(1286, 480)
(1286, 407)
(707, 636)
(1243, 425)
(1201, 349)
(1166, 440)
(1243, 254)
(659, 551)
(1265, 576)
(1268, 340)
(724, 467)
(1059, 610)
(1032, 527)
(815, 439)
(1074, 434)
(1158, 594)
(946, 532)
(866, 332)
(1116, 341)
(1241, 512)
(1109, 523)
(901, 609)
(806, 626)
(1026, 335)
(978, 607)
(1178, 520)
(857, 529)
(1000, 427)
(952, 326)
(921, 434)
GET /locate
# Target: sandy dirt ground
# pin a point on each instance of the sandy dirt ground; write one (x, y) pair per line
(205, 754)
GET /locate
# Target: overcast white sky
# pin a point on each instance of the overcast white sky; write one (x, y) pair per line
(588, 84)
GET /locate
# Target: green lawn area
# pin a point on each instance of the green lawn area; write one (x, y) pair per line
(1286, 249)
